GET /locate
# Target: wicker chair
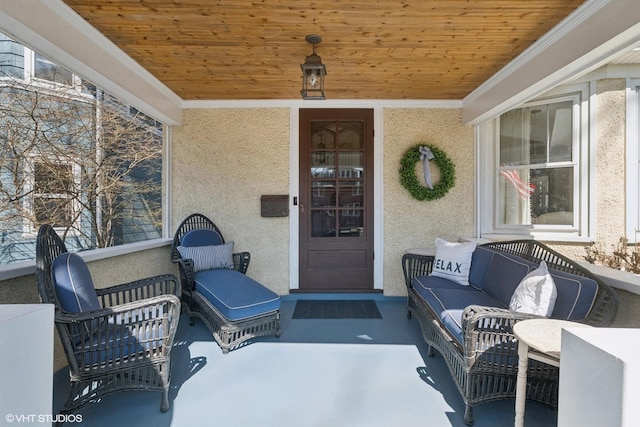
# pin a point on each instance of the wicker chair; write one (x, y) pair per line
(123, 344)
(229, 333)
(485, 365)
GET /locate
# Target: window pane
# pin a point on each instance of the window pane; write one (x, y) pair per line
(552, 201)
(323, 165)
(350, 165)
(47, 70)
(536, 134)
(11, 58)
(323, 223)
(323, 194)
(52, 178)
(536, 196)
(350, 135)
(54, 211)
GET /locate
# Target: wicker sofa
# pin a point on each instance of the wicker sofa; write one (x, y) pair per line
(471, 326)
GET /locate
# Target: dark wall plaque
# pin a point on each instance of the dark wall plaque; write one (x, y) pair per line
(274, 205)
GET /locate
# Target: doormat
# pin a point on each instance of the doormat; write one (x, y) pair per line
(336, 309)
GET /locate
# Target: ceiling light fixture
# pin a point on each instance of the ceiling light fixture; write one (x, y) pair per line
(313, 72)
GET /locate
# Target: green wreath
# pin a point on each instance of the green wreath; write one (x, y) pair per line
(410, 181)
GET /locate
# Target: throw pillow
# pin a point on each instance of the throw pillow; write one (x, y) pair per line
(208, 257)
(536, 293)
(453, 261)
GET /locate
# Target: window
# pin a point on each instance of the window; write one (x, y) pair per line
(11, 58)
(532, 178)
(75, 157)
(53, 190)
(47, 70)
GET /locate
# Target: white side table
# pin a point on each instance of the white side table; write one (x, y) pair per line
(538, 339)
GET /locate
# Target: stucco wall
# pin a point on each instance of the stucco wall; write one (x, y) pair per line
(223, 160)
(609, 141)
(409, 223)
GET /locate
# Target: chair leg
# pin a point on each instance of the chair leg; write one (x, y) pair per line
(164, 405)
(430, 351)
(468, 415)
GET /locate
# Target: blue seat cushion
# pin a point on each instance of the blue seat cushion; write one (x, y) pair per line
(73, 284)
(576, 295)
(234, 294)
(435, 282)
(448, 305)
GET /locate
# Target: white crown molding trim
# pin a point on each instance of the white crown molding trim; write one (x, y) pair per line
(53, 28)
(585, 40)
(335, 103)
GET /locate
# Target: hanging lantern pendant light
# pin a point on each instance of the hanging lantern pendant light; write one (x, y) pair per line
(313, 72)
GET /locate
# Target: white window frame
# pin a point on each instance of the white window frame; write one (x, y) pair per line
(488, 140)
(633, 160)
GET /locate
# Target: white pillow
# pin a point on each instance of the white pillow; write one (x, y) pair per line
(208, 257)
(453, 261)
(536, 293)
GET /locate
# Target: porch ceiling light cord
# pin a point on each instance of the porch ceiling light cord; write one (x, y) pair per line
(313, 72)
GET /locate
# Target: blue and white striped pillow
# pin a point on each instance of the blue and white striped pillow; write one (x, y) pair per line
(208, 257)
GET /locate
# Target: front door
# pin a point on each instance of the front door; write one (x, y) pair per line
(336, 200)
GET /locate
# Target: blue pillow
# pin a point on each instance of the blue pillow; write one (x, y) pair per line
(73, 284)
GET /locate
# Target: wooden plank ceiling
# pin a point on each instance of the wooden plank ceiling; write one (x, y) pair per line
(372, 49)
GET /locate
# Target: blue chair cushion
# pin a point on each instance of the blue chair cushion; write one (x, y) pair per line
(201, 237)
(73, 284)
(503, 276)
(576, 295)
(480, 260)
(234, 294)
(448, 305)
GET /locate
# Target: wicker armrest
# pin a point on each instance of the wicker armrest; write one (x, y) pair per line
(132, 327)
(416, 265)
(127, 313)
(488, 334)
(241, 261)
(186, 272)
(139, 290)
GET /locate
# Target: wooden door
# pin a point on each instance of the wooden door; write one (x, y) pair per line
(336, 200)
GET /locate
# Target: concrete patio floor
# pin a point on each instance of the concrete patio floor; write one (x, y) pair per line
(324, 373)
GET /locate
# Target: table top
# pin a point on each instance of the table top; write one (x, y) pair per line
(544, 335)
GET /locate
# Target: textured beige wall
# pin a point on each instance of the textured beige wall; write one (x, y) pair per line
(409, 223)
(610, 140)
(610, 161)
(223, 160)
